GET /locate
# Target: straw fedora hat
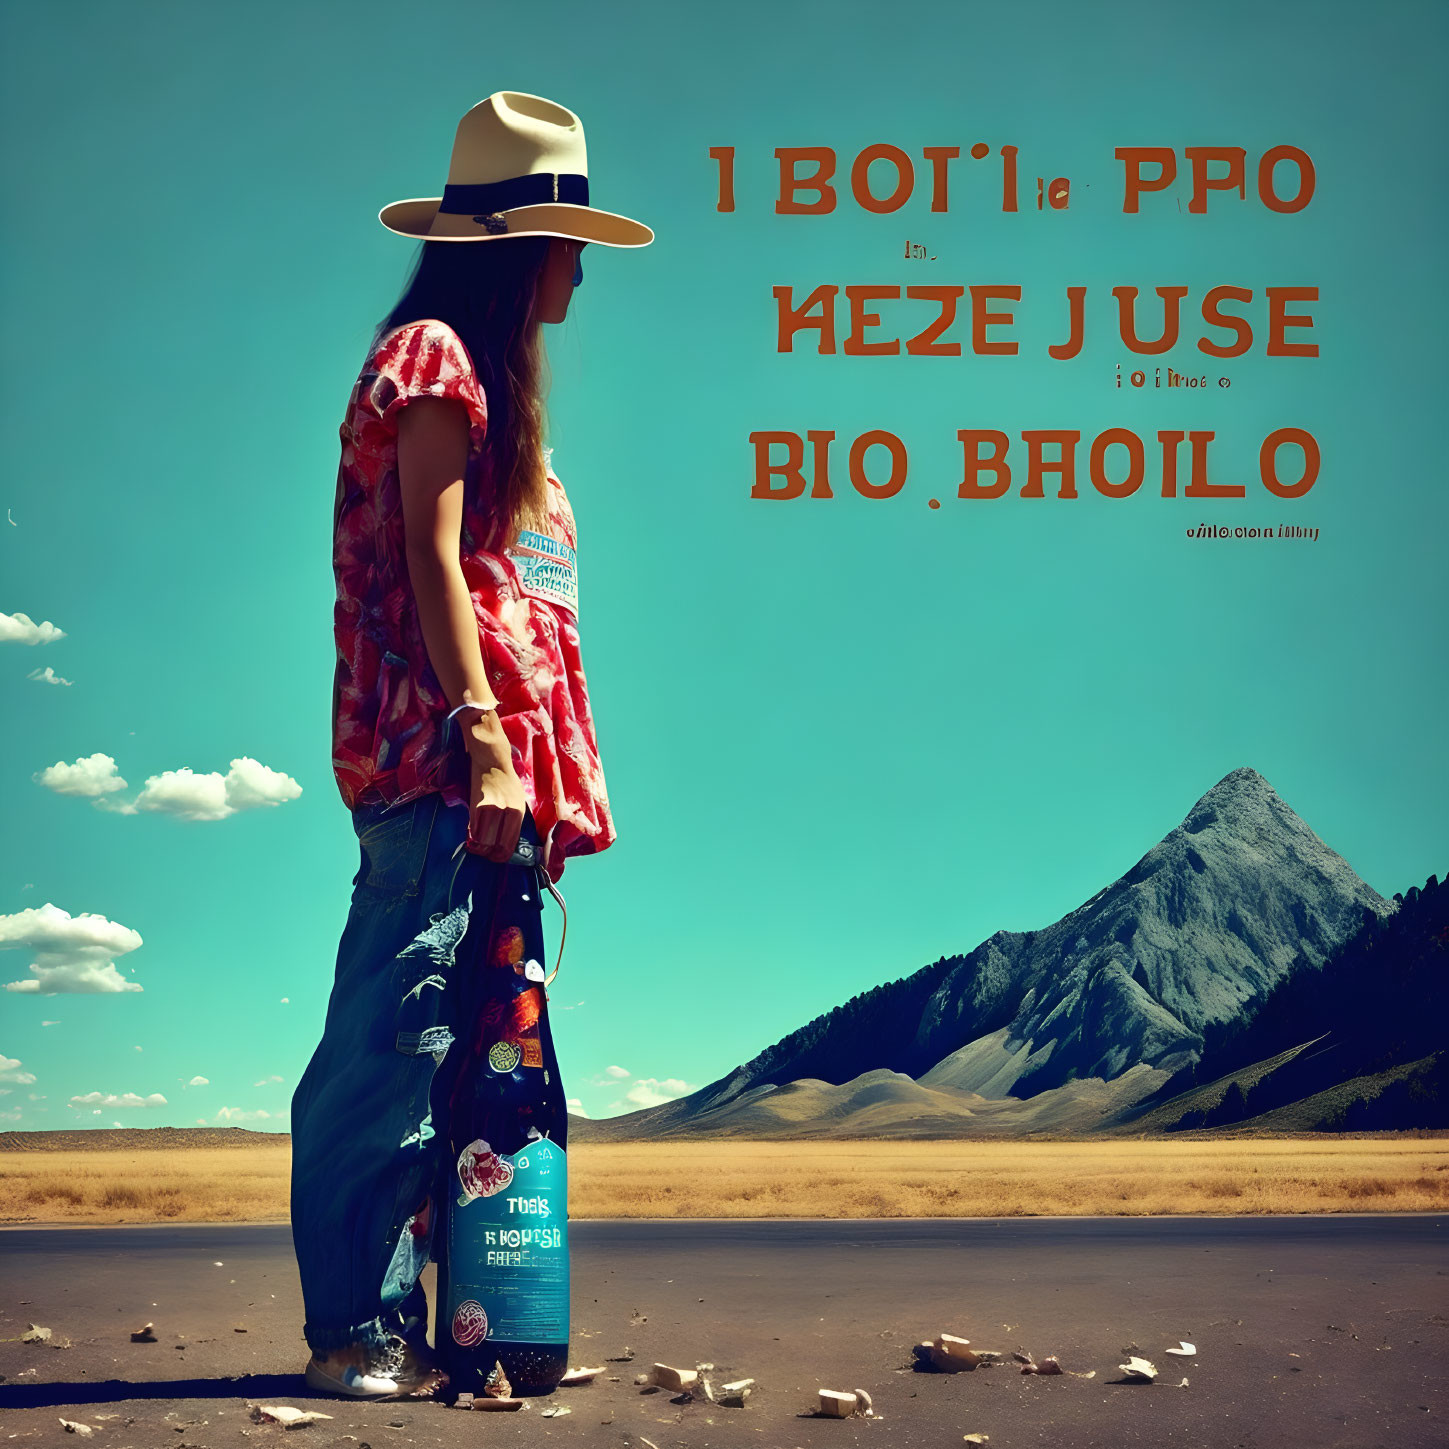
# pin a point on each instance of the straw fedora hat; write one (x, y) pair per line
(518, 169)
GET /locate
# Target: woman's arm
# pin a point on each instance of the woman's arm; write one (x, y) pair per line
(432, 454)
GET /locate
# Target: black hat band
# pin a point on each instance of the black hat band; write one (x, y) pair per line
(530, 190)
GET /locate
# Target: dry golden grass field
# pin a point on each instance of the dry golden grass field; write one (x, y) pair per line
(733, 1179)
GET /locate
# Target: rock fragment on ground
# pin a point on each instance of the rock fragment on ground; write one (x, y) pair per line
(666, 1377)
(35, 1334)
(1140, 1370)
(285, 1415)
(147, 1334)
(581, 1375)
(72, 1427)
(1184, 1349)
(836, 1405)
(949, 1353)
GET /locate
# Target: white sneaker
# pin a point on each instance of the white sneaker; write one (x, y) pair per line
(395, 1372)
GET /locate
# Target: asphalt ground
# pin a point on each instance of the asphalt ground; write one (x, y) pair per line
(1310, 1331)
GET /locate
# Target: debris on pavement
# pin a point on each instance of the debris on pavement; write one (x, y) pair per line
(147, 1334)
(948, 1353)
(974, 1438)
(1052, 1365)
(733, 1395)
(581, 1376)
(463, 1401)
(72, 1427)
(285, 1415)
(1184, 1349)
(958, 1348)
(933, 1356)
(835, 1405)
(35, 1334)
(1139, 1369)
(556, 1411)
(623, 1356)
(665, 1377)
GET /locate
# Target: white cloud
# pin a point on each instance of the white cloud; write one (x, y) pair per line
(652, 1092)
(50, 1023)
(37, 1096)
(48, 676)
(91, 775)
(266, 1081)
(576, 1107)
(11, 1116)
(22, 629)
(619, 1074)
(286, 1001)
(117, 1124)
(113, 1100)
(198, 1082)
(189, 796)
(248, 785)
(139, 1049)
(72, 954)
(9, 1072)
(237, 1114)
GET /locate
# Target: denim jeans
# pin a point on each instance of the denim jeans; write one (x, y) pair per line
(368, 1137)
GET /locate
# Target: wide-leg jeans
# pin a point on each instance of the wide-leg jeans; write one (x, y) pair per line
(367, 1129)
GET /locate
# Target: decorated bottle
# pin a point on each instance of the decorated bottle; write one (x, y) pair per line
(503, 1274)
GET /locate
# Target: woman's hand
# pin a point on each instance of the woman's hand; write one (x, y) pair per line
(496, 801)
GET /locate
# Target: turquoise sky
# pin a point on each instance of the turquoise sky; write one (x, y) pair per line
(842, 738)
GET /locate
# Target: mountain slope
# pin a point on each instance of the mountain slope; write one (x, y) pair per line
(1362, 1039)
(1199, 930)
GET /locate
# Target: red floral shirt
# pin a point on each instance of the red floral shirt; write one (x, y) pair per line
(391, 740)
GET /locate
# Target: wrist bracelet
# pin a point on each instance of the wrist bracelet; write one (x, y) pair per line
(485, 708)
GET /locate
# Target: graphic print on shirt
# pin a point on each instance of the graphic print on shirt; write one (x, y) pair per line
(547, 569)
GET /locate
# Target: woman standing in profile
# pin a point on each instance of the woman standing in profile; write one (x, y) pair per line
(462, 735)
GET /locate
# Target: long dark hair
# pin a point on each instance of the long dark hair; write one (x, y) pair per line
(485, 291)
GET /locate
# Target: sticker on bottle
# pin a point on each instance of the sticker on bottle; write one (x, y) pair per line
(470, 1323)
(508, 949)
(481, 1171)
(503, 1056)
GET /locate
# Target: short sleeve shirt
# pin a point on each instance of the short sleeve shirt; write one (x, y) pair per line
(391, 740)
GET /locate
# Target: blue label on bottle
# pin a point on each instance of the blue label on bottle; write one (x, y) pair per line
(508, 1252)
